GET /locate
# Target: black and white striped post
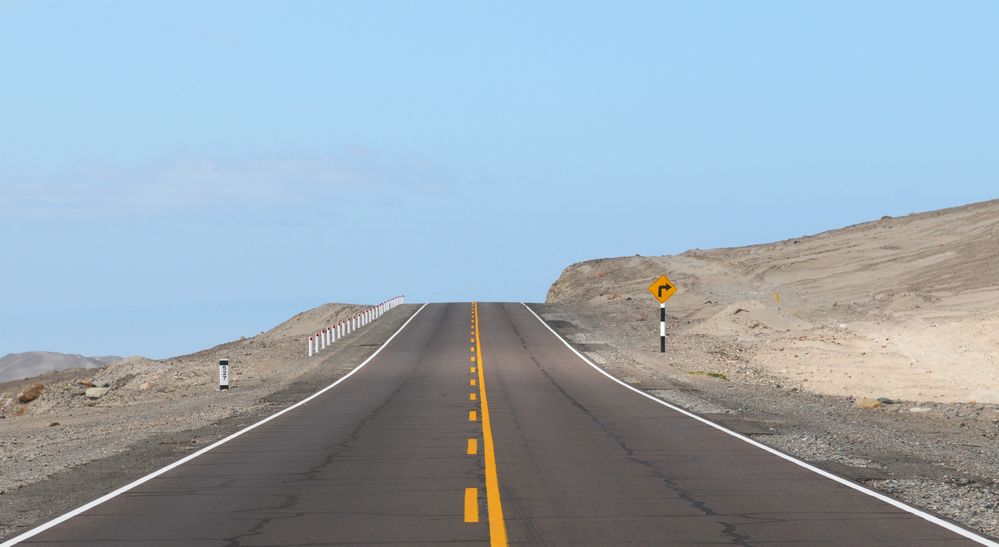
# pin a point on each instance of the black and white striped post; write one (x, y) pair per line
(662, 327)
(223, 374)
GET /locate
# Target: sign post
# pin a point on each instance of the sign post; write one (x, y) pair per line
(223, 374)
(662, 289)
(662, 327)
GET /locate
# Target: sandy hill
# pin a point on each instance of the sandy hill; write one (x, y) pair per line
(899, 307)
(15, 366)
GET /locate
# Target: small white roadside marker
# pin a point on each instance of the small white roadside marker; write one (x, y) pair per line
(223, 374)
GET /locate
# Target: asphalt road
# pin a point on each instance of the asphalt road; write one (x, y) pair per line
(489, 431)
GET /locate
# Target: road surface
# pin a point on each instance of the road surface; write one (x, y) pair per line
(477, 425)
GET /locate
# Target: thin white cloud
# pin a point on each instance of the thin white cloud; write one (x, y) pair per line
(356, 176)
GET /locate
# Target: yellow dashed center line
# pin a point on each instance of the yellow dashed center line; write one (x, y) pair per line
(494, 506)
(472, 416)
(471, 396)
(471, 505)
(473, 447)
(472, 370)
(471, 382)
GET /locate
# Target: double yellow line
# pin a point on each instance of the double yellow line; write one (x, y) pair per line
(497, 527)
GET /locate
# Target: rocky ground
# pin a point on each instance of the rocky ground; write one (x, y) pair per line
(71, 436)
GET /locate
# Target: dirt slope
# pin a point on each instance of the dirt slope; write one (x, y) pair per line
(903, 308)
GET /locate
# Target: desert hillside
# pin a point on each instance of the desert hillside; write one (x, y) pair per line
(266, 358)
(15, 366)
(898, 307)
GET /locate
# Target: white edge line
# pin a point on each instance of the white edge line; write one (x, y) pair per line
(59, 520)
(908, 508)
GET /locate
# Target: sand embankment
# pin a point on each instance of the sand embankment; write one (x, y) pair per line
(905, 308)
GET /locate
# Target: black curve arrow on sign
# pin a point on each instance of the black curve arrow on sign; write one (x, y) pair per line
(662, 288)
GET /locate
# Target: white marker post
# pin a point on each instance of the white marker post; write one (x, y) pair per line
(223, 374)
(311, 351)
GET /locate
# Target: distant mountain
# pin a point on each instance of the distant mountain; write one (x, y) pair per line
(15, 366)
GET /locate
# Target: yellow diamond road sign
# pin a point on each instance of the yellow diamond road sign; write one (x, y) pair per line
(662, 289)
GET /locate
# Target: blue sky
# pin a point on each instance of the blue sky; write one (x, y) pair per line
(177, 174)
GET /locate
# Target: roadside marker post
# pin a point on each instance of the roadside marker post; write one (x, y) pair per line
(311, 350)
(223, 374)
(662, 289)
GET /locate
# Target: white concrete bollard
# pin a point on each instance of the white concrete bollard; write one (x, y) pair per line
(223, 374)
(311, 351)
